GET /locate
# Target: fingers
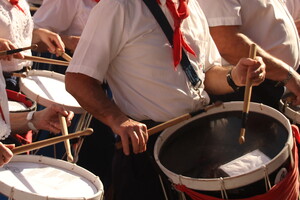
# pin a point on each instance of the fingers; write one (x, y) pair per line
(137, 136)
(5, 154)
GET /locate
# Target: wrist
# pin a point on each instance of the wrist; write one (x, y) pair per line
(285, 81)
(30, 121)
(231, 82)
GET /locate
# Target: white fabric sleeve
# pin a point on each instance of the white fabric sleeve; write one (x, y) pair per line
(51, 12)
(219, 12)
(100, 41)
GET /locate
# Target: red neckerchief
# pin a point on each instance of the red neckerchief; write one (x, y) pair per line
(178, 15)
(97, 0)
(16, 3)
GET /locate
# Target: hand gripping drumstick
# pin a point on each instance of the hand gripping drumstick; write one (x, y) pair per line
(176, 120)
(247, 98)
(64, 55)
(64, 131)
(9, 52)
(50, 141)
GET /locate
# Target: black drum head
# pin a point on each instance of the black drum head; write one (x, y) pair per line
(199, 148)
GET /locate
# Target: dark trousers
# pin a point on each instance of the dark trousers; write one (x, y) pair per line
(136, 177)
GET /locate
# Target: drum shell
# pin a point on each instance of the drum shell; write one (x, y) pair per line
(230, 183)
(14, 96)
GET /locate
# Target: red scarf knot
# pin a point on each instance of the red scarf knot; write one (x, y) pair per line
(16, 3)
(97, 1)
(178, 16)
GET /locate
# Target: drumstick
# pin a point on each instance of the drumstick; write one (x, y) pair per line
(172, 122)
(247, 98)
(45, 60)
(50, 141)
(9, 52)
(64, 131)
(64, 55)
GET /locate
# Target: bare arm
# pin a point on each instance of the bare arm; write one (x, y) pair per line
(105, 110)
(234, 45)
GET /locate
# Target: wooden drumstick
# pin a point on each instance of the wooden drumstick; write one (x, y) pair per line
(64, 55)
(45, 60)
(12, 51)
(247, 98)
(64, 131)
(50, 141)
(172, 122)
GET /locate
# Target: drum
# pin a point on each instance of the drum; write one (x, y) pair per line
(29, 177)
(204, 153)
(48, 87)
(18, 102)
(290, 111)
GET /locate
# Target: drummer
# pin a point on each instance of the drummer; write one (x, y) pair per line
(17, 31)
(16, 123)
(123, 44)
(51, 15)
(234, 25)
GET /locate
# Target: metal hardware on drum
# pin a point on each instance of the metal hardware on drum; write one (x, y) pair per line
(50, 141)
(9, 52)
(176, 120)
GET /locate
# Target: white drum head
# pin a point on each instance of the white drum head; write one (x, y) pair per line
(46, 87)
(29, 177)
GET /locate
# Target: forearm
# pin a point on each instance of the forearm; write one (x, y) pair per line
(234, 45)
(217, 87)
(19, 123)
(95, 102)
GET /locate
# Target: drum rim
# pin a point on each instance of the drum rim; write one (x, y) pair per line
(41, 100)
(58, 163)
(216, 184)
(291, 114)
(31, 108)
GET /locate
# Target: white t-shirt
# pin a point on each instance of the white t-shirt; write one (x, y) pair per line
(17, 27)
(294, 8)
(266, 22)
(67, 17)
(123, 43)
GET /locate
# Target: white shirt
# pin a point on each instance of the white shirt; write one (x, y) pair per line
(266, 22)
(67, 17)
(123, 43)
(294, 8)
(17, 27)
(4, 124)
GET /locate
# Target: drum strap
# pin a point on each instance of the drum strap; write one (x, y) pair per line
(167, 29)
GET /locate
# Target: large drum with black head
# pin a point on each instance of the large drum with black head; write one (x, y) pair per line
(204, 153)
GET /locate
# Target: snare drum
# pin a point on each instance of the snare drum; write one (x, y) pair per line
(29, 177)
(290, 111)
(18, 102)
(204, 154)
(46, 88)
